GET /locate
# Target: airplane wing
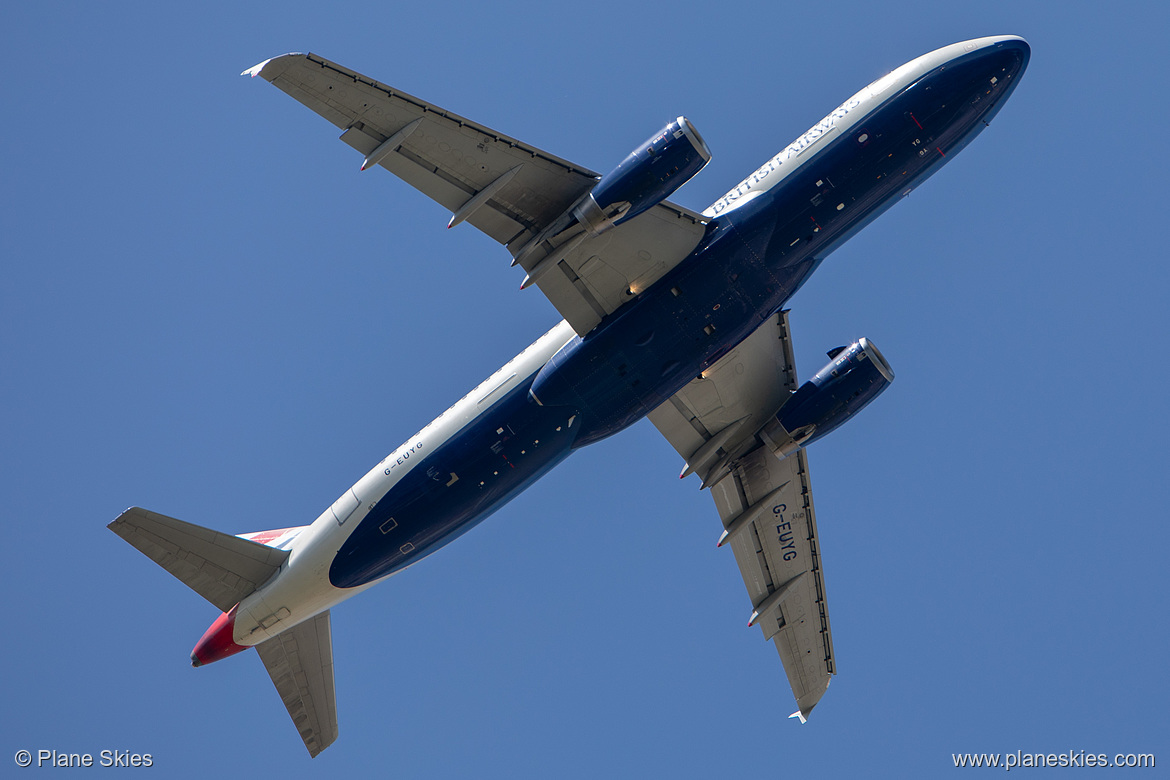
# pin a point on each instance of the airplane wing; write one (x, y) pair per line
(765, 503)
(300, 663)
(508, 189)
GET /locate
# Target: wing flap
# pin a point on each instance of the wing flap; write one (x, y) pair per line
(219, 567)
(300, 663)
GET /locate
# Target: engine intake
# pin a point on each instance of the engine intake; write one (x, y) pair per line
(857, 375)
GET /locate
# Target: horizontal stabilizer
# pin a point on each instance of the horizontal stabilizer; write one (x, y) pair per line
(300, 663)
(219, 567)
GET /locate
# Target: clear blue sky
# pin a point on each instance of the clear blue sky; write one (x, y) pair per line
(207, 311)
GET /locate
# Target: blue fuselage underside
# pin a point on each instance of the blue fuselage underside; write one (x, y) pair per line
(746, 267)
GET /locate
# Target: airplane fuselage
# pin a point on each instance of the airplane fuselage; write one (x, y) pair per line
(764, 239)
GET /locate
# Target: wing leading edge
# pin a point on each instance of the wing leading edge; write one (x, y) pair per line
(765, 503)
(510, 190)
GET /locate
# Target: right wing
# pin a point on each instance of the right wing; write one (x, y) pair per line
(779, 558)
(765, 503)
(300, 663)
(510, 190)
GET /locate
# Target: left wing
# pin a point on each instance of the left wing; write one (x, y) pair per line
(765, 503)
(510, 190)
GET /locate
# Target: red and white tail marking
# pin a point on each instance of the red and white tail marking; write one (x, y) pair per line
(280, 538)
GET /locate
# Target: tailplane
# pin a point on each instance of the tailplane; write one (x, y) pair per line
(221, 568)
(225, 569)
(300, 663)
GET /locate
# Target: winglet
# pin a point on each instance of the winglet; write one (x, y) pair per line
(254, 71)
(799, 714)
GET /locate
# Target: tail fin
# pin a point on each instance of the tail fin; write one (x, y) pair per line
(219, 567)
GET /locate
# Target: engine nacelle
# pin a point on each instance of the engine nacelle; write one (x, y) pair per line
(856, 376)
(649, 175)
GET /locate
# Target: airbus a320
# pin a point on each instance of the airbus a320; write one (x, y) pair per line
(668, 314)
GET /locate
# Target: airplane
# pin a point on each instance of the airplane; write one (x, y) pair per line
(668, 314)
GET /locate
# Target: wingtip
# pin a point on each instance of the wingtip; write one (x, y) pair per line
(254, 71)
(799, 715)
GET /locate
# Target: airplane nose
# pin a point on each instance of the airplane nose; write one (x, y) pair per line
(1018, 45)
(1013, 48)
(218, 641)
(1005, 58)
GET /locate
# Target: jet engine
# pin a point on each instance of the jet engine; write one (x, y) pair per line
(857, 375)
(649, 175)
